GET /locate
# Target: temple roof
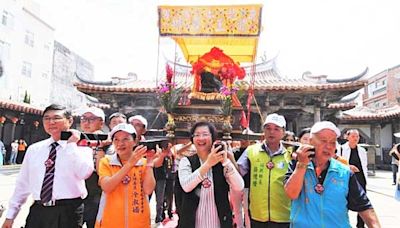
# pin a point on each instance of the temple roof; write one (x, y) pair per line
(20, 107)
(364, 113)
(342, 106)
(266, 79)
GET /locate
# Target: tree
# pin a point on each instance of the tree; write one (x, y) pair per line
(27, 98)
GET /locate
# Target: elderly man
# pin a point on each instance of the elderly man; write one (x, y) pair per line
(267, 163)
(140, 124)
(357, 158)
(53, 171)
(323, 189)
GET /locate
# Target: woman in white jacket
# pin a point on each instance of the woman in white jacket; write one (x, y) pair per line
(357, 157)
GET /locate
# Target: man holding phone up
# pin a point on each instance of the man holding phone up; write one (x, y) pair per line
(53, 171)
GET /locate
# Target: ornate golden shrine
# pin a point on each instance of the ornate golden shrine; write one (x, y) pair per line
(214, 40)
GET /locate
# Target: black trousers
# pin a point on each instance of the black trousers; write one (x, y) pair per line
(66, 214)
(363, 183)
(257, 224)
(169, 195)
(20, 157)
(90, 212)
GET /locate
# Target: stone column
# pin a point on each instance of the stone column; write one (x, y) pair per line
(317, 114)
(376, 139)
(12, 132)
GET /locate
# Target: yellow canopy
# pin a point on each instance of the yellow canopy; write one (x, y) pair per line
(197, 29)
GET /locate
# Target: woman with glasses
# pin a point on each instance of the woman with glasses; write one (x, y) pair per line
(206, 178)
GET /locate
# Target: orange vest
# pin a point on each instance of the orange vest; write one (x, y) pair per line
(127, 205)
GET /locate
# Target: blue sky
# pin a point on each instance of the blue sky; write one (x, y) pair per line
(337, 38)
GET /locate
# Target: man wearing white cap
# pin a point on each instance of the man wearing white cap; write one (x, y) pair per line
(267, 163)
(321, 188)
(140, 124)
(92, 121)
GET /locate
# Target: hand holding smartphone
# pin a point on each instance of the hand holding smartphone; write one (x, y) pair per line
(219, 144)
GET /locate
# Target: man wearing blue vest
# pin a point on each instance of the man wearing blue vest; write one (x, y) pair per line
(267, 163)
(321, 188)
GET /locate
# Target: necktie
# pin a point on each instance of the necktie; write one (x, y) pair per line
(47, 187)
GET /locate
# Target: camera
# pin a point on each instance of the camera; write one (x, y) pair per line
(98, 137)
(219, 144)
(151, 144)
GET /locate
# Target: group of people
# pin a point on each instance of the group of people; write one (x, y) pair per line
(109, 183)
(18, 148)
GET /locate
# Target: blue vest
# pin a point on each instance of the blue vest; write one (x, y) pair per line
(328, 209)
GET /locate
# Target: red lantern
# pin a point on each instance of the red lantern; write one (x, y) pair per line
(2, 119)
(14, 120)
(36, 123)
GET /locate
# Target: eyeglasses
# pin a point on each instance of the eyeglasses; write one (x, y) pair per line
(89, 120)
(54, 119)
(202, 135)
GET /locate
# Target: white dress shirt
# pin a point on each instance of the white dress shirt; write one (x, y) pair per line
(72, 166)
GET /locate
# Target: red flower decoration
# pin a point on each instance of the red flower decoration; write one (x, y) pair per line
(270, 165)
(126, 179)
(206, 183)
(49, 163)
(319, 188)
(170, 73)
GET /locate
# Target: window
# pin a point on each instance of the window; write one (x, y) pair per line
(383, 82)
(26, 69)
(7, 19)
(29, 38)
(4, 50)
(380, 90)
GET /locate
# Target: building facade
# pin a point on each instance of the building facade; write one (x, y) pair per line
(26, 45)
(66, 65)
(383, 89)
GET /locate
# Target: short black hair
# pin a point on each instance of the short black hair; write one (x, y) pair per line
(304, 131)
(57, 107)
(116, 114)
(210, 126)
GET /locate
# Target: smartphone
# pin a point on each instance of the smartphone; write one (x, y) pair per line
(312, 154)
(219, 144)
(66, 134)
(151, 144)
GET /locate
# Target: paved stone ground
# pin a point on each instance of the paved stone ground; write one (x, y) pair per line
(380, 192)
